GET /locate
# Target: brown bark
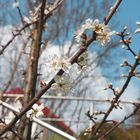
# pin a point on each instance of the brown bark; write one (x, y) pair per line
(31, 76)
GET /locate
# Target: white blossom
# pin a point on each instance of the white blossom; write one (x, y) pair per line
(104, 37)
(15, 4)
(117, 90)
(29, 19)
(62, 85)
(48, 8)
(137, 30)
(88, 24)
(102, 31)
(124, 47)
(78, 34)
(36, 111)
(137, 57)
(123, 75)
(122, 65)
(55, 63)
(65, 64)
(138, 23)
(125, 28)
(97, 27)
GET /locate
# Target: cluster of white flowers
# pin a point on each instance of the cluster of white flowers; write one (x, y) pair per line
(103, 32)
(36, 111)
(55, 63)
(62, 84)
(138, 29)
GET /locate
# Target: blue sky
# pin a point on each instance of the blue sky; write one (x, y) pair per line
(130, 11)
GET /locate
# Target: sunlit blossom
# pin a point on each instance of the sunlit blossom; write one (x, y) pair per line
(138, 57)
(138, 23)
(78, 34)
(124, 47)
(102, 31)
(97, 27)
(137, 30)
(104, 37)
(15, 4)
(88, 24)
(36, 111)
(55, 63)
(117, 90)
(65, 64)
(62, 84)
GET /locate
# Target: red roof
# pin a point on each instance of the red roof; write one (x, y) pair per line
(14, 91)
(46, 111)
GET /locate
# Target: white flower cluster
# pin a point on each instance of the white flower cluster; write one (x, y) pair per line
(55, 63)
(36, 111)
(63, 84)
(138, 29)
(102, 31)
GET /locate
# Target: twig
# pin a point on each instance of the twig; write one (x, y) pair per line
(15, 133)
(116, 98)
(50, 13)
(14, 36)
(119, 123)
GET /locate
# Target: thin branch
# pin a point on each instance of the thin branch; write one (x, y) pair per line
(49, 14)
(21, 16)
(119, 123)
(115, 99)
(14, 36)
(15, 133)
(112, 11)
